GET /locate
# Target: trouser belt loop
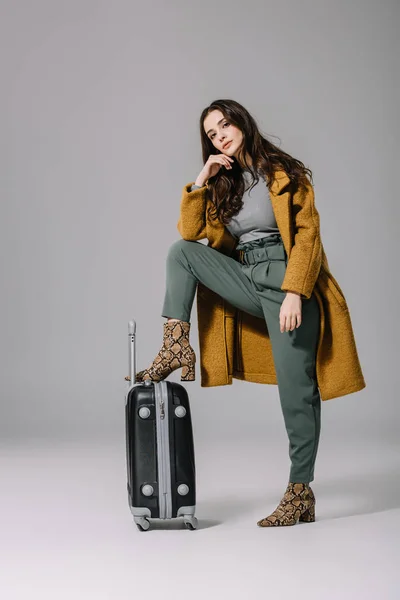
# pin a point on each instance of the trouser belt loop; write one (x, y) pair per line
(256, 255)
(260, 254)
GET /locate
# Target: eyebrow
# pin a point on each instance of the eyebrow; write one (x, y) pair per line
(220, 121)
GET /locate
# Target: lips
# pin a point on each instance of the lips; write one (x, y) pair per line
(227, 144)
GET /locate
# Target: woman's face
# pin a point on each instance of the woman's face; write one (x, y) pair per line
(221, 131)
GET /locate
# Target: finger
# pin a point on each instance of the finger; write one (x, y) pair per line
(285, 322)
(225, 160)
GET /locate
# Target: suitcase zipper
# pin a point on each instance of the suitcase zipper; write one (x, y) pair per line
(163, 446)
(162, 409)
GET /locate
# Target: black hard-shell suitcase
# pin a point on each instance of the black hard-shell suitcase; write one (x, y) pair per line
(159, 448)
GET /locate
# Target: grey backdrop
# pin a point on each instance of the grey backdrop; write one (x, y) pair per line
(99, 114)
(99, 133)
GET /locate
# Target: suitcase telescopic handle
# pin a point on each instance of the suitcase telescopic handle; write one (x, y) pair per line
(132, 350)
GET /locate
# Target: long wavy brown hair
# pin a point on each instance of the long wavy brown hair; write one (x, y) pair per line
(226, 188)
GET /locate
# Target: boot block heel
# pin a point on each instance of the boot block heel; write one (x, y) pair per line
(308, 516)
(188, 373)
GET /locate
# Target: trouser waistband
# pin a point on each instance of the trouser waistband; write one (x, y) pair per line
(268, 248)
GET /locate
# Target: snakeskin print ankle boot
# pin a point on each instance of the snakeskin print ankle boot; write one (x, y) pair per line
(175, 353)
(297, 504)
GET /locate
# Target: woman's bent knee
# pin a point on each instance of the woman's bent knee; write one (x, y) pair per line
(180, 245)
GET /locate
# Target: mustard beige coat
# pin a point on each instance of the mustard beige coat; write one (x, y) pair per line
(235, 344)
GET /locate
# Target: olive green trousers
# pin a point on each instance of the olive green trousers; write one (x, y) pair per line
(254, 286)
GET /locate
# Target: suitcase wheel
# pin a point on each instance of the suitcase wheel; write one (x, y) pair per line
(142, 523)
(190, 522)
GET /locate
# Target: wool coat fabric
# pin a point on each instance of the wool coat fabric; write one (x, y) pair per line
(235, 344)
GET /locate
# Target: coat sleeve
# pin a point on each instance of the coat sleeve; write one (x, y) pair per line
(305, 258)
(192, 218)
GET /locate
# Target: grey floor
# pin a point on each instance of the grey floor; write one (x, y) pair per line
(66, 530)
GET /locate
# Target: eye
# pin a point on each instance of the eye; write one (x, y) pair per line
(212, 135)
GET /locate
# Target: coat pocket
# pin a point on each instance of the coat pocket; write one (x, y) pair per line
(330, 288)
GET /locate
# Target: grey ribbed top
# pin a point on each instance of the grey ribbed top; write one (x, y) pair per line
(256, 218)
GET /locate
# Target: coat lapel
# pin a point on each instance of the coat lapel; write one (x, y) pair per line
(280, 201)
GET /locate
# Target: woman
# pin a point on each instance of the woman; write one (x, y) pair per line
(269, 310)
